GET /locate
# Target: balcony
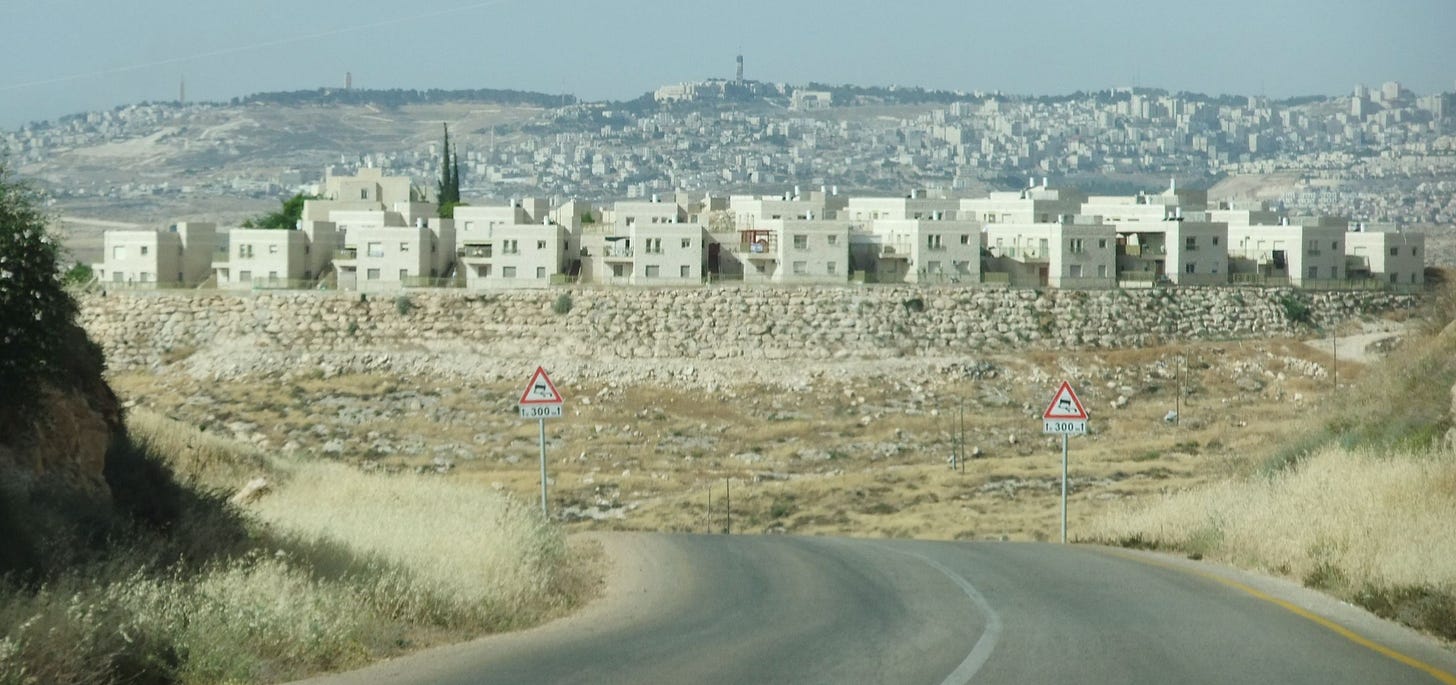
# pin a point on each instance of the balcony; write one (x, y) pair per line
(347, 254)
(763, 249)
(475, 253)
(894, 252)
(617, 253)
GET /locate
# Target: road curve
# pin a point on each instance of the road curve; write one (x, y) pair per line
(772, 609)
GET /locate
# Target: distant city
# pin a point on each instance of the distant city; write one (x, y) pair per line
(1381, 153)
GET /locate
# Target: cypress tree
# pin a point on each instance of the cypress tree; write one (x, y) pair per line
(442, 190)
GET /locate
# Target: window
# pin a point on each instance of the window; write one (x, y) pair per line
(1188, 268)
(966, 239)
(831, 268)
(1075, 246)
(619, 270)
(685, 271)
(1395, 252)
(540, 272)
(116, 276)
(371, 275)
(144, 250)
(1314, 247)
(1415, 251)
(1335, 245)
(687, 243)
(145, 277)
(833, 239)
(374, 249)
(801, 242)
(307, 275)
(540, 244)
(1190, 243)
(1394, 277)
(1215, 241)
(245, 276)
(1314, 272)
(654, 246)
(403, 274)
(653, 271)
(119, 252)
(1102, 243)
(1334, 272)
(273, 249)
(510, 247)
(404, 247)
(932, 267)
(245, 250)
(1102, 271)
(508, 272)
(363, 193)
(934, 242)
(1075, 271)
(801, 268)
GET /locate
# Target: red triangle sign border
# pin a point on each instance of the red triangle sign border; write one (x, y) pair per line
(540, 374)
(1053, 413)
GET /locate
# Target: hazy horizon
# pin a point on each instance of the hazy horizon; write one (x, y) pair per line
(116, 55)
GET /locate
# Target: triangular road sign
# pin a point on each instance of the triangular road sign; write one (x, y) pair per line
(1065, 405)
(540, 390)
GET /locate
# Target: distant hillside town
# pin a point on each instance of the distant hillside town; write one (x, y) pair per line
(1377, 154)
(371, 232)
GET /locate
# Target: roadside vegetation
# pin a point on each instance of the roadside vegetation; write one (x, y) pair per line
(1358, 503)
(330, 568)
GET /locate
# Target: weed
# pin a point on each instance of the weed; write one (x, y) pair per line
(562, 305)
(403, 305)
(1296, 309)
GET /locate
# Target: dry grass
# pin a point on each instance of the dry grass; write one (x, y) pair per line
(338, 567)
(1370, 526)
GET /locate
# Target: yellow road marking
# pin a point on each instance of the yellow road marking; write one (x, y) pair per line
(1292, 608)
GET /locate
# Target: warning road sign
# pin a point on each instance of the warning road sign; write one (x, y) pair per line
(540, 391)
(1065, 414)
(1065, 405)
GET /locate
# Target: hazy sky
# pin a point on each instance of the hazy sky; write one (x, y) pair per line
(64, 56)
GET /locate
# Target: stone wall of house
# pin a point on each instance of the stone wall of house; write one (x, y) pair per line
(223, 335)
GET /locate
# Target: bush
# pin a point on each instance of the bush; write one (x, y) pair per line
(403, 305)
(36, 313)
(562, 304)
(1296, 309)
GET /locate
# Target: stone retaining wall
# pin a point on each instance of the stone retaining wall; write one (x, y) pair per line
(142, 330)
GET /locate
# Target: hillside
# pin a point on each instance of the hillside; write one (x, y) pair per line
(1356, 500)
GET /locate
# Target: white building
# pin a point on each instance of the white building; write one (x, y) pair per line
(1386, 254)
(176, 257)
(276, 258)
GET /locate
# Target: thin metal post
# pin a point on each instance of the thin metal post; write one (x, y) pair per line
(710, 507)
(728, 498)
(1335, 350)
(544, 512)
(1178, 396)
(1064, 488)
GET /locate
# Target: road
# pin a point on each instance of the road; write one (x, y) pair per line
(771, 609)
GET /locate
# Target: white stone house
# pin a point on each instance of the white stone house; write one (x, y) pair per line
(1308, 254)
(799, 251)
(1386, 254)
(178, 256)
(919, 251)
(389, 257)
(1081, 253)
(276, 258)
(501, 256)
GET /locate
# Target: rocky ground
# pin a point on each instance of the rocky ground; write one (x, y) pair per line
(850, 447)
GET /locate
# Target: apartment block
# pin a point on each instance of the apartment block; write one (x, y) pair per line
(276, 258)
(1386, 254)
(1299, 254)
(1081, 253)
(377, 258)
(177, 256)
(797, 251)
(501, 256)
(920, 251)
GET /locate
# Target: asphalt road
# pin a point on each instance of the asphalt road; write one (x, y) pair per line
(756, 609)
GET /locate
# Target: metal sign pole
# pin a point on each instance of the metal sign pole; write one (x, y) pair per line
(544, 511)
(1064, 488)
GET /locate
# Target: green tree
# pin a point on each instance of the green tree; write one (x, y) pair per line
(37, 316)
(286, 217)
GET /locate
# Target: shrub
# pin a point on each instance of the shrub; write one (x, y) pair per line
(36, 314)
(1296, 309)
(562, 304)
(403, 305)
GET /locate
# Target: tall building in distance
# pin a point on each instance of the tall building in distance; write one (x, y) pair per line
(740, 68)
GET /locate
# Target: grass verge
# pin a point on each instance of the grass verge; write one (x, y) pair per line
(332, 569)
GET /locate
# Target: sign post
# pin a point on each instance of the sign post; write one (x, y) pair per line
(1067, 416)
(541, 401)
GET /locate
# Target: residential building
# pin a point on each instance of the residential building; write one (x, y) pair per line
(389, 257)
(1304, 254)
(799, 251)
(919, 251)
(175, 257)
(1081, 253)
(1386, 254)
(916, 205)
(1033, 204)
(276, 258)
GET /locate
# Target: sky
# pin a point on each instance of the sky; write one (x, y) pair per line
(61, 57)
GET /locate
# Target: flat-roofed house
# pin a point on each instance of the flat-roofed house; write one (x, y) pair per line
(1080, 254)
(1386, 253)
(919, 251)
(276, 258)
(179, 256)
(800, 251)
(1302, 253)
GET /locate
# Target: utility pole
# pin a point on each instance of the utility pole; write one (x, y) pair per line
(728, 498)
